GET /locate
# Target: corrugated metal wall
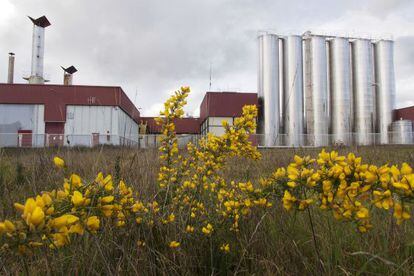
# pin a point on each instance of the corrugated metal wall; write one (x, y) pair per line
(15, 117)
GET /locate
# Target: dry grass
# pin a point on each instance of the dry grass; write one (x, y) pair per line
(270, 243)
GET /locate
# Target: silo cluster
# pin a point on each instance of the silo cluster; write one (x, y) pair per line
(317, 90)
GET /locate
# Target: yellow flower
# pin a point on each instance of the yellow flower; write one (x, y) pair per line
(189, 229)
(64, 220)
(37, 217)
(78, 199)
(208, 229)
(400, 213)
(92, 223)
(77, 229)
(75, 180)
(225, 247)
(107, 199)
(174, 244)
(406, 169)
(362, 213)
(59, 162)
(288, 200)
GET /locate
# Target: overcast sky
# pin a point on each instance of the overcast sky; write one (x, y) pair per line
(151, 47)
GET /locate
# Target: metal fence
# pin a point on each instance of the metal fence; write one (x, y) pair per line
(29, 140)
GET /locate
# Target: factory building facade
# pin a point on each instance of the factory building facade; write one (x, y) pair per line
(48, 115)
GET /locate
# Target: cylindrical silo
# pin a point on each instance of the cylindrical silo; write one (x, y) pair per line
(268, 88)
(340, 98)
(385, 87)
(363, 67)
(293, 90)
(402, 132)
(316, 91)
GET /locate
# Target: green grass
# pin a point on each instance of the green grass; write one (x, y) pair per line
(268, 243)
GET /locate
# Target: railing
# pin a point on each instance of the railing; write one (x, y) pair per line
(327, 140)
(29, 140)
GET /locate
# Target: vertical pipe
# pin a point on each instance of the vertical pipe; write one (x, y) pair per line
(340, 98)
(316, 90)
(268, 88)
(293, 90)
(363, 91)
(385, 87)
(38, 47)
(67, 78)
(10, 75)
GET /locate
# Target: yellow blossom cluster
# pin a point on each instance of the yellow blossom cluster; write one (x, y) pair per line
(345, 186)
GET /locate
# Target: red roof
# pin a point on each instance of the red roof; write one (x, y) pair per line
(225, 104)
(182, 125)
(56, 97)
(406, 113)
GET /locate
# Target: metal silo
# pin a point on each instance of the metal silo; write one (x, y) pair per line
(316, 91)
(340, 98)
(402, 132)
(268, 88)
(293, 90)
(385, 87)
(363, 96)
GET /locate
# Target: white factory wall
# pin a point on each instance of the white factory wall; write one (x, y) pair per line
(111, 124)
(214, 125)
(127, 127)
(15, 117)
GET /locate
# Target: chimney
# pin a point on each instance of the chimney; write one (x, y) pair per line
(38, 48)
(68, 74)
(10, 76)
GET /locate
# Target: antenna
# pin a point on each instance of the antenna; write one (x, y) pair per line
(210, 76)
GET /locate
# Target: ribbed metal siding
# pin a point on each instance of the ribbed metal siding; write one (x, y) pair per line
(268, 88)
(363, 91)
(293, 90)
(316, 90)
(402, 132)
(385, 87)
(340, 98)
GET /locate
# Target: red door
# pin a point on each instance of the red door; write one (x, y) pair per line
(54, 132)
(95, 139)
(24, 138)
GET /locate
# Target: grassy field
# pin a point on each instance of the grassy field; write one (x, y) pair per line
(270, 243)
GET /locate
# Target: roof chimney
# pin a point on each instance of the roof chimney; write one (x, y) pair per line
(38, 48)
(10, 75)
(68, 74)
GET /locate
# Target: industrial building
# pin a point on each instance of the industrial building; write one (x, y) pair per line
(318, 90)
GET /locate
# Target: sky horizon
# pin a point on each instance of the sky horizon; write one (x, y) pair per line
(152, 48)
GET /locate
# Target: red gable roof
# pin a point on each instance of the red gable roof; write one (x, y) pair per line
(57, 97)
(182, 125)
(225, 104)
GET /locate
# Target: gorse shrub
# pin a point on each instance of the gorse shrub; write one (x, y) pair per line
(194, 202)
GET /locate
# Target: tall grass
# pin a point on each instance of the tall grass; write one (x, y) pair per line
(270, 243)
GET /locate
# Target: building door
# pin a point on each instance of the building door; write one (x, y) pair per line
(54, 133)
(95, 139)
(24, 138)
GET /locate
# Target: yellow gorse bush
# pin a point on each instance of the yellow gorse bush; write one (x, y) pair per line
(194, 199)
